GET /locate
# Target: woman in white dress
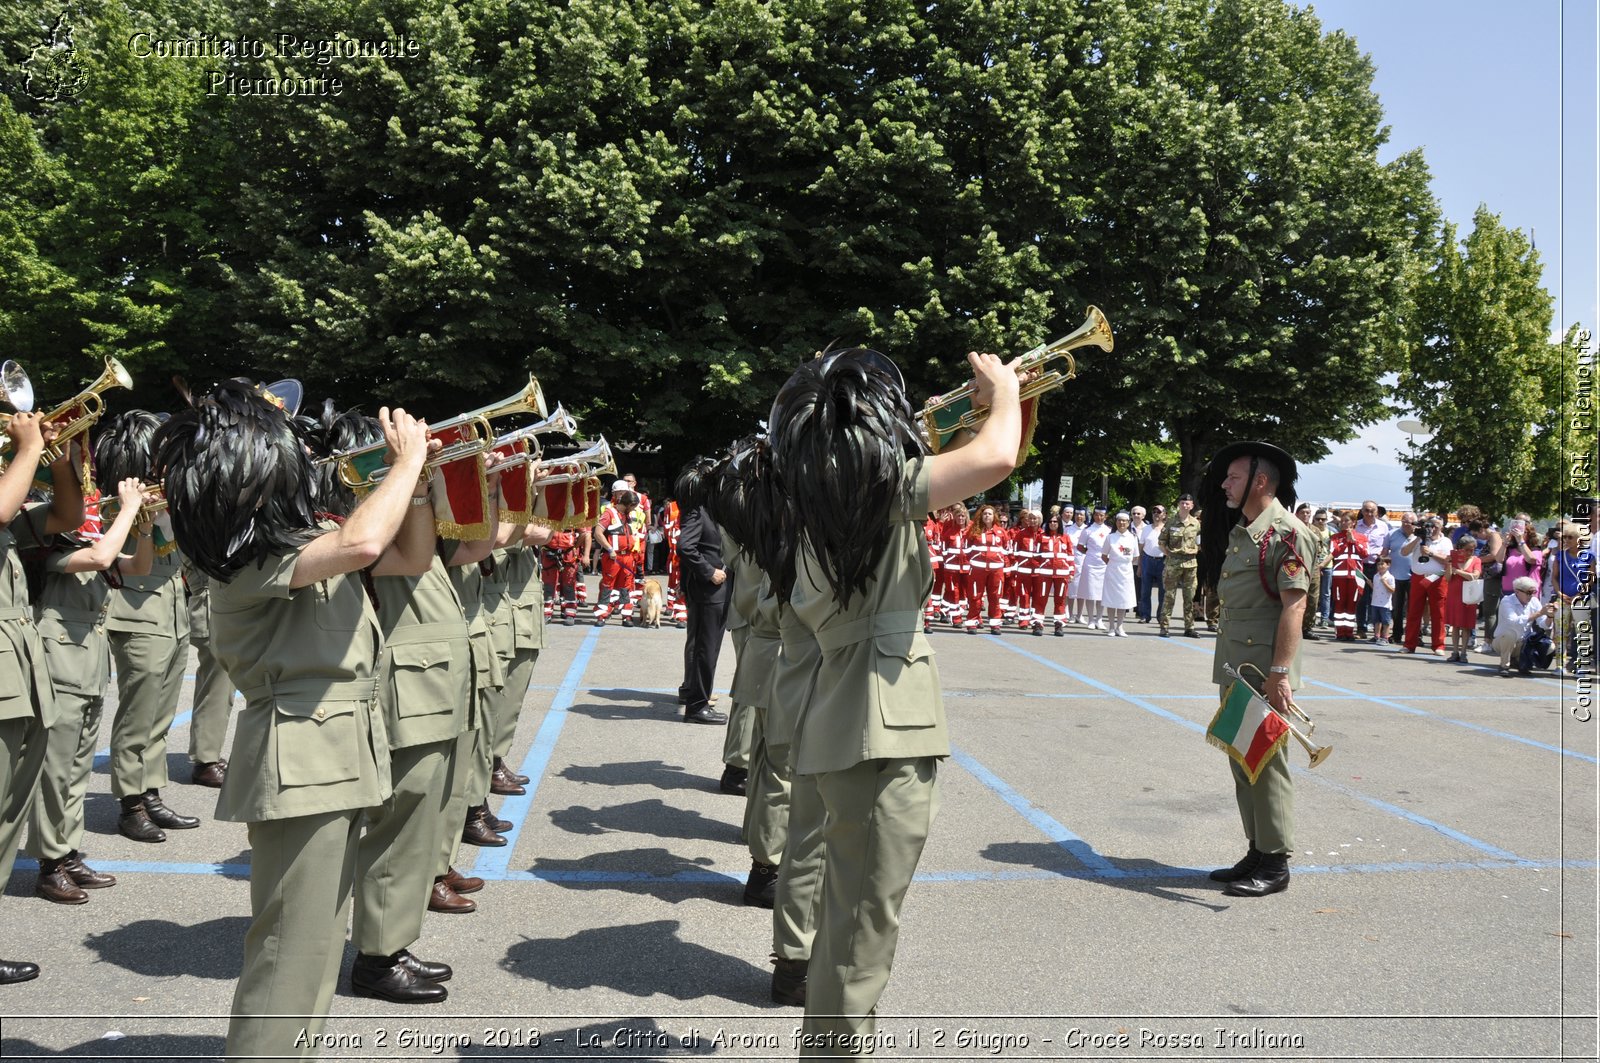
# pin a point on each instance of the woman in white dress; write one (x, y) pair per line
(1092, 570)
(1119, 554)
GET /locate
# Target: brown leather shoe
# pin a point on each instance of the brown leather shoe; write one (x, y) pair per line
(210, 774)
(495, 822)
(444, 899)
(135, 824)
(56, 885)
(501, 783)
(463, 883)
(477, 830)
(84, 876)
(514, 776)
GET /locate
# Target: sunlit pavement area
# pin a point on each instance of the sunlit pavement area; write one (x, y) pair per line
(1442, 903)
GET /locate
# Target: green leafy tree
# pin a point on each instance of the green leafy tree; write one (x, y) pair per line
(1479, 376)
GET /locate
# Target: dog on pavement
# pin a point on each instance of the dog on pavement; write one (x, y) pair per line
(651, 603)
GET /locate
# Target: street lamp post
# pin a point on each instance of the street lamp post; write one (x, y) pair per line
(1414, 428)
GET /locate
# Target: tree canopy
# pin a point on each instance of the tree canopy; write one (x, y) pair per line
(661, 206)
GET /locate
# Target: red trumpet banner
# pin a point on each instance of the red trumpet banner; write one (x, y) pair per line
(460, 492)
(516, 486)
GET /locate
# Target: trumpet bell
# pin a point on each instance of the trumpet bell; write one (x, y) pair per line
(17, 387)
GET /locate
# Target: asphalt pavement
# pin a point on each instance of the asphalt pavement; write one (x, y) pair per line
(1443, 902)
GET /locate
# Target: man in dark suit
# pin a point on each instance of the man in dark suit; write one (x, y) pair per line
(706, 587)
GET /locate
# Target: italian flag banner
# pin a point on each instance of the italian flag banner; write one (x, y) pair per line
(1247, 729)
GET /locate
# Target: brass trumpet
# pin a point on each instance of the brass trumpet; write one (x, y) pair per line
(464, 436)
(945, 416)
(1317, 753)
(78, 413)
(559, 421)
(112, 505)
(586, 464)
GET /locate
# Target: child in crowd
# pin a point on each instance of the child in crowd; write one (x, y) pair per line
(1382, 603)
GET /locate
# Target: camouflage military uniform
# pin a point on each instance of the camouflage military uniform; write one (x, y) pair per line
(1180, 539)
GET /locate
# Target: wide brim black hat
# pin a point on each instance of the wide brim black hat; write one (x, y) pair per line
(1288, 471)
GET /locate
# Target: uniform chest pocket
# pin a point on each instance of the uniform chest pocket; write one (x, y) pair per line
(335, 611)
(79, 663)
(907, 684)
(427, 678)
(319, 742)
(14, 686)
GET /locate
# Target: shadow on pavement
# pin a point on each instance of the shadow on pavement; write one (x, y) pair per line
(654, 818)
(656, 872)
(641, 960)
(140, 1046)
(160, 948)
(656, 773)
(1137, 876)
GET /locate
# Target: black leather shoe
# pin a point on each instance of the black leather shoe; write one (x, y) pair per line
(1270, 876)
(84, 876)
(1243, 869)
(387, 978)
(428, 972)
(17, 971)
(704, 714)
(734, 780)
(162, 816)
(789, 982)
(54, 884)
(135, 824)
(761, 888)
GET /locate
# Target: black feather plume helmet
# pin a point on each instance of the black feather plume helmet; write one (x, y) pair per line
(841, 430)
(123, 448)
(694, 482)
(238, 480)
(747, 502)
(333, 433)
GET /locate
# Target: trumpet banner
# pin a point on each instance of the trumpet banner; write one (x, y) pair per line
(516, 486)
(943, 424)
(1247, 729)
(460, 492)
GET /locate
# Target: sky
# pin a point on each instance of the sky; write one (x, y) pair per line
(1479, 86)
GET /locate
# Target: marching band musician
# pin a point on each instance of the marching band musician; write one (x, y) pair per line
(514, 600)
(79, 574)
(27, 698)
(148, 624)
(1257, 557)
(873, 729)
(424, 692)
(298, 635)
(213, 690)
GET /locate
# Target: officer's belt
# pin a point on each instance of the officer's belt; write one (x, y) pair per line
(430, 632)
(901, 622)
(16, 612)
(309, 689)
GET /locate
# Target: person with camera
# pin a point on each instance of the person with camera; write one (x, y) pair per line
(1520, 614)
(1428, 552)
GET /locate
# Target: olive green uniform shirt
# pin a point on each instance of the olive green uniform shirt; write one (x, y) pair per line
(1250, 614)
(72, 612)
(877, 690)
(310, 737)
(1180, 541)
(25, 688)
(426, 669)
(155, 604)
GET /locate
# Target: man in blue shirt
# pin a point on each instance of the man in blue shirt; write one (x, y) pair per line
(1400, 564)
(1574, 580)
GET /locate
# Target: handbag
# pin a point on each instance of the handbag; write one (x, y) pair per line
(1472, 592)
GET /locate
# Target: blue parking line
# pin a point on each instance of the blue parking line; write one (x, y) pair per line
(1080, 850)
(1419, 820)
(492, 863)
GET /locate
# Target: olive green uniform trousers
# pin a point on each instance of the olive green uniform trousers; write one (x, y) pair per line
(149, 678)
(22, 755)
(293, 951)
(399, 848)
(879, 813)
(55, 825)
